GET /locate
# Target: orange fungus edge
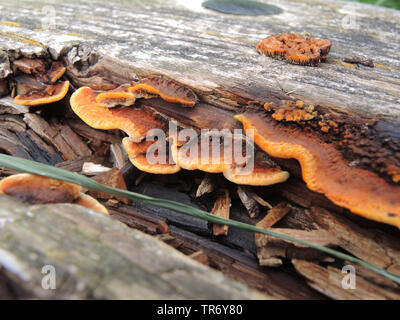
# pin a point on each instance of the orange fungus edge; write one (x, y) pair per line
(375, 199)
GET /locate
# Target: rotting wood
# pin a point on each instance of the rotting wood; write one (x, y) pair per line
(112, 178)
(273, 215)
(330, 282)
(249, 203)
(206, 186)
(222, 207)
(235, 263)
(272, 251)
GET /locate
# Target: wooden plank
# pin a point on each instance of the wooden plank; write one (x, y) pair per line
(214, 51)
(95, 256)
(224, 58)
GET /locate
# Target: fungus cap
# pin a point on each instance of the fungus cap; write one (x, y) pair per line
(137, 153)
(167, 90)
(50, 93)
(189, 156)
(136, 123)
(295, 48)
(258, 176)
(87, 201)
(112, 99)
(37, 189)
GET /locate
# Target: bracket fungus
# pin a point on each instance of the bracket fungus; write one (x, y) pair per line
(260, 175)
(134, 122)
(138, 152)
(235, 168)
(166, 89)
(325, 170)
(296, 48)
(35, 189)
(120, 96)
(38, 84)
(49, 94)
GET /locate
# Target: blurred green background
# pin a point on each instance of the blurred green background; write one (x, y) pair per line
(384, 3)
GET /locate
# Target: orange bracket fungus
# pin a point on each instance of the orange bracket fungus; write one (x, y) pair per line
(136, 123)
(49, 94)
(166, 89)
(120, 96)
(35, 189)
(296, 48)
(261, 175)
(234, 168)
(138, 152)
(325, 170)
(38, 85)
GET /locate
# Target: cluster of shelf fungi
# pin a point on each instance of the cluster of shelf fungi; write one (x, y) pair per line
(317, 211)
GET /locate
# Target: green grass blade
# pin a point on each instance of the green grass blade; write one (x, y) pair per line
(24, 165)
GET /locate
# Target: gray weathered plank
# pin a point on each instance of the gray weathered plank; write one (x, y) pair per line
(212, 51)
(98, 257)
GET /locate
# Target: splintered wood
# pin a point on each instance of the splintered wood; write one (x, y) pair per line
(334, 231)
(221, 209)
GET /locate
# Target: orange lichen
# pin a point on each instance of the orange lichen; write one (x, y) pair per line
(136, 123)
(37, 189)
(138, 153)
(296, 48)
(326, 171)
(50, 93)
(167, 90)
(87, 201)
(292, 111)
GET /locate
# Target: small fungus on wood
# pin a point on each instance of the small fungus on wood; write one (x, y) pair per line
(35, 189)
(260, 175)
(120, 96)
(37, 84)
(50, 93)
(296, 48)
(166, 89)
(326, 171)
(136, 123)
